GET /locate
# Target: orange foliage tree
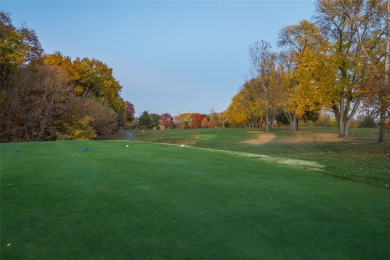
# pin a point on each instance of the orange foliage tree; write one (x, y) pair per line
(197, 120)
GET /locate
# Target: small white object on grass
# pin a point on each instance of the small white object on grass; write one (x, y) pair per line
(127, 145)
(182, 145)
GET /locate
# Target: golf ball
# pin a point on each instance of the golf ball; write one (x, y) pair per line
(127, 145)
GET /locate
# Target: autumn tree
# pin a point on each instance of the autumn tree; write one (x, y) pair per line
(66, 64)
(184, 120)
(93, 82)
(97, 77)
(197, 119)
(43, 97)
(79, 129)
(205, 122)
(103, 119)
(386, 85)
(215, 119)
(302, 69)
(18, 47)
(265, 83)
(245, 109)
(376, 80)
(90, 77)
(385, 107)
(129, 111)
(237, 114)
(167, 120)
(351, 28)
(33, 105)
(212, 123)
(287, 82)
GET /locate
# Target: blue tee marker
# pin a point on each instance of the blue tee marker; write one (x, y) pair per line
(85, 149)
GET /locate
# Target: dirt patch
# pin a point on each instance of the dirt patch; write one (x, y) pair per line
(262, 138)
(299, 137)
(305, 137)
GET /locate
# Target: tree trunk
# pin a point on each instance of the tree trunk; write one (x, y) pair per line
(273, 118)
(344, 119)
(382, 128)
(382, 124)
(294, 122)
(343, 127)
(382, 116)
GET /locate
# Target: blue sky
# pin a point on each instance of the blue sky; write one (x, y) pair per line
(169, 56)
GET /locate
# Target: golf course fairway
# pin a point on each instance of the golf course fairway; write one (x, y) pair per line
(135, 200)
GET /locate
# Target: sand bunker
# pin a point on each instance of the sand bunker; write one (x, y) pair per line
(262, 138)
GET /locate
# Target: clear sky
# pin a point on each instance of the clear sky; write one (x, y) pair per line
(169, 56)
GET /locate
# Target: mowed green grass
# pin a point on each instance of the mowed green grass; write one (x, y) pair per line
(358, 157)
(157, 201)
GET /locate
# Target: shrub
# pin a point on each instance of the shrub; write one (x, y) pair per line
(366, 122)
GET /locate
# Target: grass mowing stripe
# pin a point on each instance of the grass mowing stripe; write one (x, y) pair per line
(158, 201)
(309, 165)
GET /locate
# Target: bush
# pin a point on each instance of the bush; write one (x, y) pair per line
(366, 122)
(324, 120)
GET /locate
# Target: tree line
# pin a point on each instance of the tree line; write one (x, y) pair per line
(339, 61)
(52, 97)
(181, 121)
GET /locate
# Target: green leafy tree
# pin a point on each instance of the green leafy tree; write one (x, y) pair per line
(154, 120)
(366, 122)
(144, 120)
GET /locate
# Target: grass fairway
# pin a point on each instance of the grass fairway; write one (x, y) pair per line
(357, 157)
(153, 201)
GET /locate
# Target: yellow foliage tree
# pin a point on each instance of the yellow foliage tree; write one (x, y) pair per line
(81, 129)
(244, 110)
(303, 68)
(90, 76)
(354, 30)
